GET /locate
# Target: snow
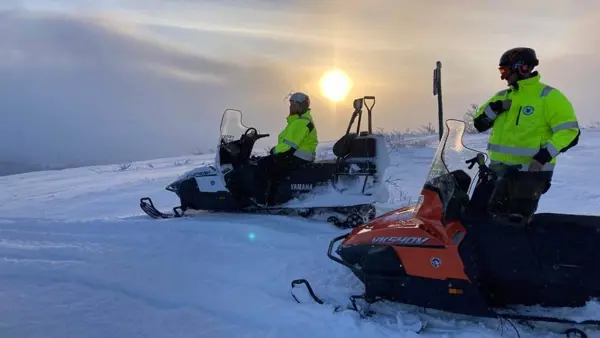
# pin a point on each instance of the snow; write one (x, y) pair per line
(78, 258)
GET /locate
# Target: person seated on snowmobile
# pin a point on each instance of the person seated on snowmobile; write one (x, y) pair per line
(532, 123)
(296, 144)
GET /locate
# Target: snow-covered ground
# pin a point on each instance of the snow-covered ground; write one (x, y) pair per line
(78, 258)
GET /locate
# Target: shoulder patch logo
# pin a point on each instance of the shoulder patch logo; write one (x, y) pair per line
(528, 110)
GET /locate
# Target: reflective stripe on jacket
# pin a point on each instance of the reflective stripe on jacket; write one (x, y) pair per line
(539, 117)
(300, 134)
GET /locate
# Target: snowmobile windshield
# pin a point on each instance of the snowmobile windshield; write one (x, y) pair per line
(451, 156)
(232, 127)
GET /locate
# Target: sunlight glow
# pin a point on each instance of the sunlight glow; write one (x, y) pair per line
(335, 85)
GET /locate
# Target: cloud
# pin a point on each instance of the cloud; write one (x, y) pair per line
(90, 91)
(388, 47)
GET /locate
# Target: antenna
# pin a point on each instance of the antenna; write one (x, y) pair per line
(437, 91)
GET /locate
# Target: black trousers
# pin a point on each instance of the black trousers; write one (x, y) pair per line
(271, 171)
(516, 194)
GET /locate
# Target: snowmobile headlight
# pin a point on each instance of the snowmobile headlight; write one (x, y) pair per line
(174, 187)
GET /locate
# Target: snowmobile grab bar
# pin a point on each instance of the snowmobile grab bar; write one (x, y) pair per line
(369, 110)
(334, 258)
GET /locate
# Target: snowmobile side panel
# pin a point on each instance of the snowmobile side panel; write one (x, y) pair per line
(434, 263)
(303, 180)
(210, 183)
(420, 261)
(385, 276)
(192, 198)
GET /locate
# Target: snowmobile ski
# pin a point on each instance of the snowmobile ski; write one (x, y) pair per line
(364, 310)
(148, 207)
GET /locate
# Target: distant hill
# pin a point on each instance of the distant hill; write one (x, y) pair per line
(13, 168)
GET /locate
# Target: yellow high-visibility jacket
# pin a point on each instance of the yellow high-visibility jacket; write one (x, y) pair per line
(300, 134)
(539, 124)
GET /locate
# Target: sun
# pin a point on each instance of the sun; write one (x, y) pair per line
(335, 85)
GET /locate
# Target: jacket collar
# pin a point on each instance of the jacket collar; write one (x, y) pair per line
(529, 82)
(291, 118)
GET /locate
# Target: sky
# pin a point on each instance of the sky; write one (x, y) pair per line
(105, 81)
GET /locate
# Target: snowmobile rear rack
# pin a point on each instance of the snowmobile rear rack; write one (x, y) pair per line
(358, 106)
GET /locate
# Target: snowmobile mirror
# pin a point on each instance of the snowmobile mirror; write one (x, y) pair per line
(358, 104)
(479, 159)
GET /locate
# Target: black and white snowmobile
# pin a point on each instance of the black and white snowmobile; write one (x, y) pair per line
(341, 190)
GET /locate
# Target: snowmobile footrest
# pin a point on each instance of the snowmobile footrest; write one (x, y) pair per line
(148, 207)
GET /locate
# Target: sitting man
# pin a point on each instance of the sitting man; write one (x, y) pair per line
(296, 145)
(532, 123)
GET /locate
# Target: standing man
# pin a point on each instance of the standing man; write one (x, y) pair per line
(532, 123)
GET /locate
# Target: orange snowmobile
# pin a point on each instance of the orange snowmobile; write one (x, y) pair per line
(438, 254)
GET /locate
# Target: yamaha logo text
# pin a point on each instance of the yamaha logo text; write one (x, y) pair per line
(303, 187)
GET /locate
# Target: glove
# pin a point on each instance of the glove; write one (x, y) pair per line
(542, 157)
(485, 122)
(500, 107)
(535, 166)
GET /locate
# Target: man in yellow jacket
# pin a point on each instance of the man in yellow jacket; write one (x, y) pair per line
(296, 144)
(531, 124)
(298, 141)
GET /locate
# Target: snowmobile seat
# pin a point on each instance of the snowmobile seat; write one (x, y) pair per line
(354, 146)
(328, 161)
(565, 222)
(551, 252)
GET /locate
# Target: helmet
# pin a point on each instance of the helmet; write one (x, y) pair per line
(300, 98)
(517, 63)
(302, 102)
(523, 55)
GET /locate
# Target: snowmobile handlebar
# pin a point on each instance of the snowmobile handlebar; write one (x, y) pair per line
(479, 160)
(496, 170)
(253, 134)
